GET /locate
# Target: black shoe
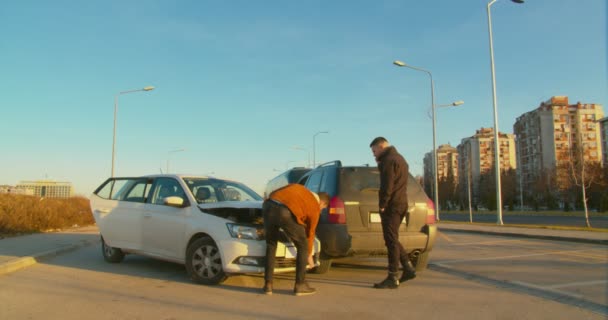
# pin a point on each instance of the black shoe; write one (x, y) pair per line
(268, 288)
(302, 289)
(390, 282)
(407, 275)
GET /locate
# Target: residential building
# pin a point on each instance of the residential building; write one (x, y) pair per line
(476, 156)
(604, 139)
(48, 188)
(447, 163)
(547, 135)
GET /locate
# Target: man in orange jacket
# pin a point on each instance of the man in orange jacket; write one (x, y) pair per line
(296, 210)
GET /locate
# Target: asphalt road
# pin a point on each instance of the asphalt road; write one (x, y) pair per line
(532, 219)
(470, 277)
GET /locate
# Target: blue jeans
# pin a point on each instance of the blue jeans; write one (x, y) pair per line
(278, 216)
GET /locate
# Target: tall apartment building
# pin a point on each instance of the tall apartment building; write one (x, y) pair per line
(476, 155)
(447, 163)
(546, 135)
(48, 188)
(604, 139)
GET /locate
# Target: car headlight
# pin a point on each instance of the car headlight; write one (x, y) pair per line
(240, 231)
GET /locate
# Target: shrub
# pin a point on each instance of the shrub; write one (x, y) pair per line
(29, 214)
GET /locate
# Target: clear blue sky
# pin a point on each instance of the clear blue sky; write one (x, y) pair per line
(239, 83)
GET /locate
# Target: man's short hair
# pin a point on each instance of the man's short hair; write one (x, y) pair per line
(323, 196)
(378, 141)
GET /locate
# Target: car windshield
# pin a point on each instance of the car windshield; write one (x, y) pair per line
(208, 190)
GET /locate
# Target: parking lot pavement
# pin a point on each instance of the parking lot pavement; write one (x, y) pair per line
(23, 251)
(532, 232)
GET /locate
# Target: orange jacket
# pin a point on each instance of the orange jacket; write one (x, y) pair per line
(303, 205)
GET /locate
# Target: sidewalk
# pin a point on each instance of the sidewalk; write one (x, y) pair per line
(536, 233)
(23, 251)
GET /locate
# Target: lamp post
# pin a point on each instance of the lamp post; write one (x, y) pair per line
(149, 88)
(169, 155)
(435, 187)
(496, 141)
(314, 158)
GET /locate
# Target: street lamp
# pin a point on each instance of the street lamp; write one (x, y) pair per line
(314, 162)
(169, 154)
(496, 141)
(435, 187)
(149, 88)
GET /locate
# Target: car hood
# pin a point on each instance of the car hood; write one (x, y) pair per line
(231, 204)
(236, 211)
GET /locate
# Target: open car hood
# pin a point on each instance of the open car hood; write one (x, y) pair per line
(232, 204)
(236, 211)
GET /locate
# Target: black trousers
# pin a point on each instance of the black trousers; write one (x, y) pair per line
(391, 221)
(278, 216)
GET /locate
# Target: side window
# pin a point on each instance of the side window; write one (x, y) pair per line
(139, 191)
(164, 188)
(328, 183)
(124, 189)
(314, 181)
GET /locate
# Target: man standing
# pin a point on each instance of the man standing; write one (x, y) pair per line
(296, 210)
(394, 173)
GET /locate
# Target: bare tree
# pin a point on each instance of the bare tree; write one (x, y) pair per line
(575, 170)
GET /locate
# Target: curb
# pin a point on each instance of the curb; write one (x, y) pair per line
(532, 236)
(24, 262)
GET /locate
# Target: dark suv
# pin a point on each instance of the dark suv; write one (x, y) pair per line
(351, 224)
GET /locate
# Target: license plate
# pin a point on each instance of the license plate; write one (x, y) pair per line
(374, 217)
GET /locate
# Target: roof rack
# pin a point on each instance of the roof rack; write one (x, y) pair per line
(336, 163)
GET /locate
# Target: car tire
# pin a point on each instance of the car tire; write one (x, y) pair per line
(324, 265)
(111, 254)
(204, 262)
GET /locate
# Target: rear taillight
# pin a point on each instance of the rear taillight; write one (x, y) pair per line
(430, 212)
(336, 211)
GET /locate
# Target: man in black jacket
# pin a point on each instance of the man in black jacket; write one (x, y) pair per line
(394, 173)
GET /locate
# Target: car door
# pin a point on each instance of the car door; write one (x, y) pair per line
(118, 206)
(163, 225)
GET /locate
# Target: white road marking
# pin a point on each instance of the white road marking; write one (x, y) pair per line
(510, 257)
(530, 285)
(578, 284)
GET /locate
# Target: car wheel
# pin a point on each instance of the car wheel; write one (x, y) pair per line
(111, 254)
(204, 262)
(324, 265)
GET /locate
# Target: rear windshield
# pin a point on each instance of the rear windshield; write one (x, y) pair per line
(360, 183)
(364, 183)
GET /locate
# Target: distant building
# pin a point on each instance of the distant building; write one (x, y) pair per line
(547, 135)
(447, 163)
(47, 188)
(604, 139)
(15, 190)
(476, 156)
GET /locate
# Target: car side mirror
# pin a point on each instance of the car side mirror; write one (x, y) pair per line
(174, 201)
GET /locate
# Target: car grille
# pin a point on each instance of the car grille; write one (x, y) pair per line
(284, 262)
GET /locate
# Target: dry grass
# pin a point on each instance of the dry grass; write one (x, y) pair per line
(21, 214)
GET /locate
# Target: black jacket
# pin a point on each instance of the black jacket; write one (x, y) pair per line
(394, 173)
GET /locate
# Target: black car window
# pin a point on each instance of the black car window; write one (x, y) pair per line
(314, 182)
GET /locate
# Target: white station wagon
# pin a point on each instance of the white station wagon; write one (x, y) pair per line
(213, 226)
